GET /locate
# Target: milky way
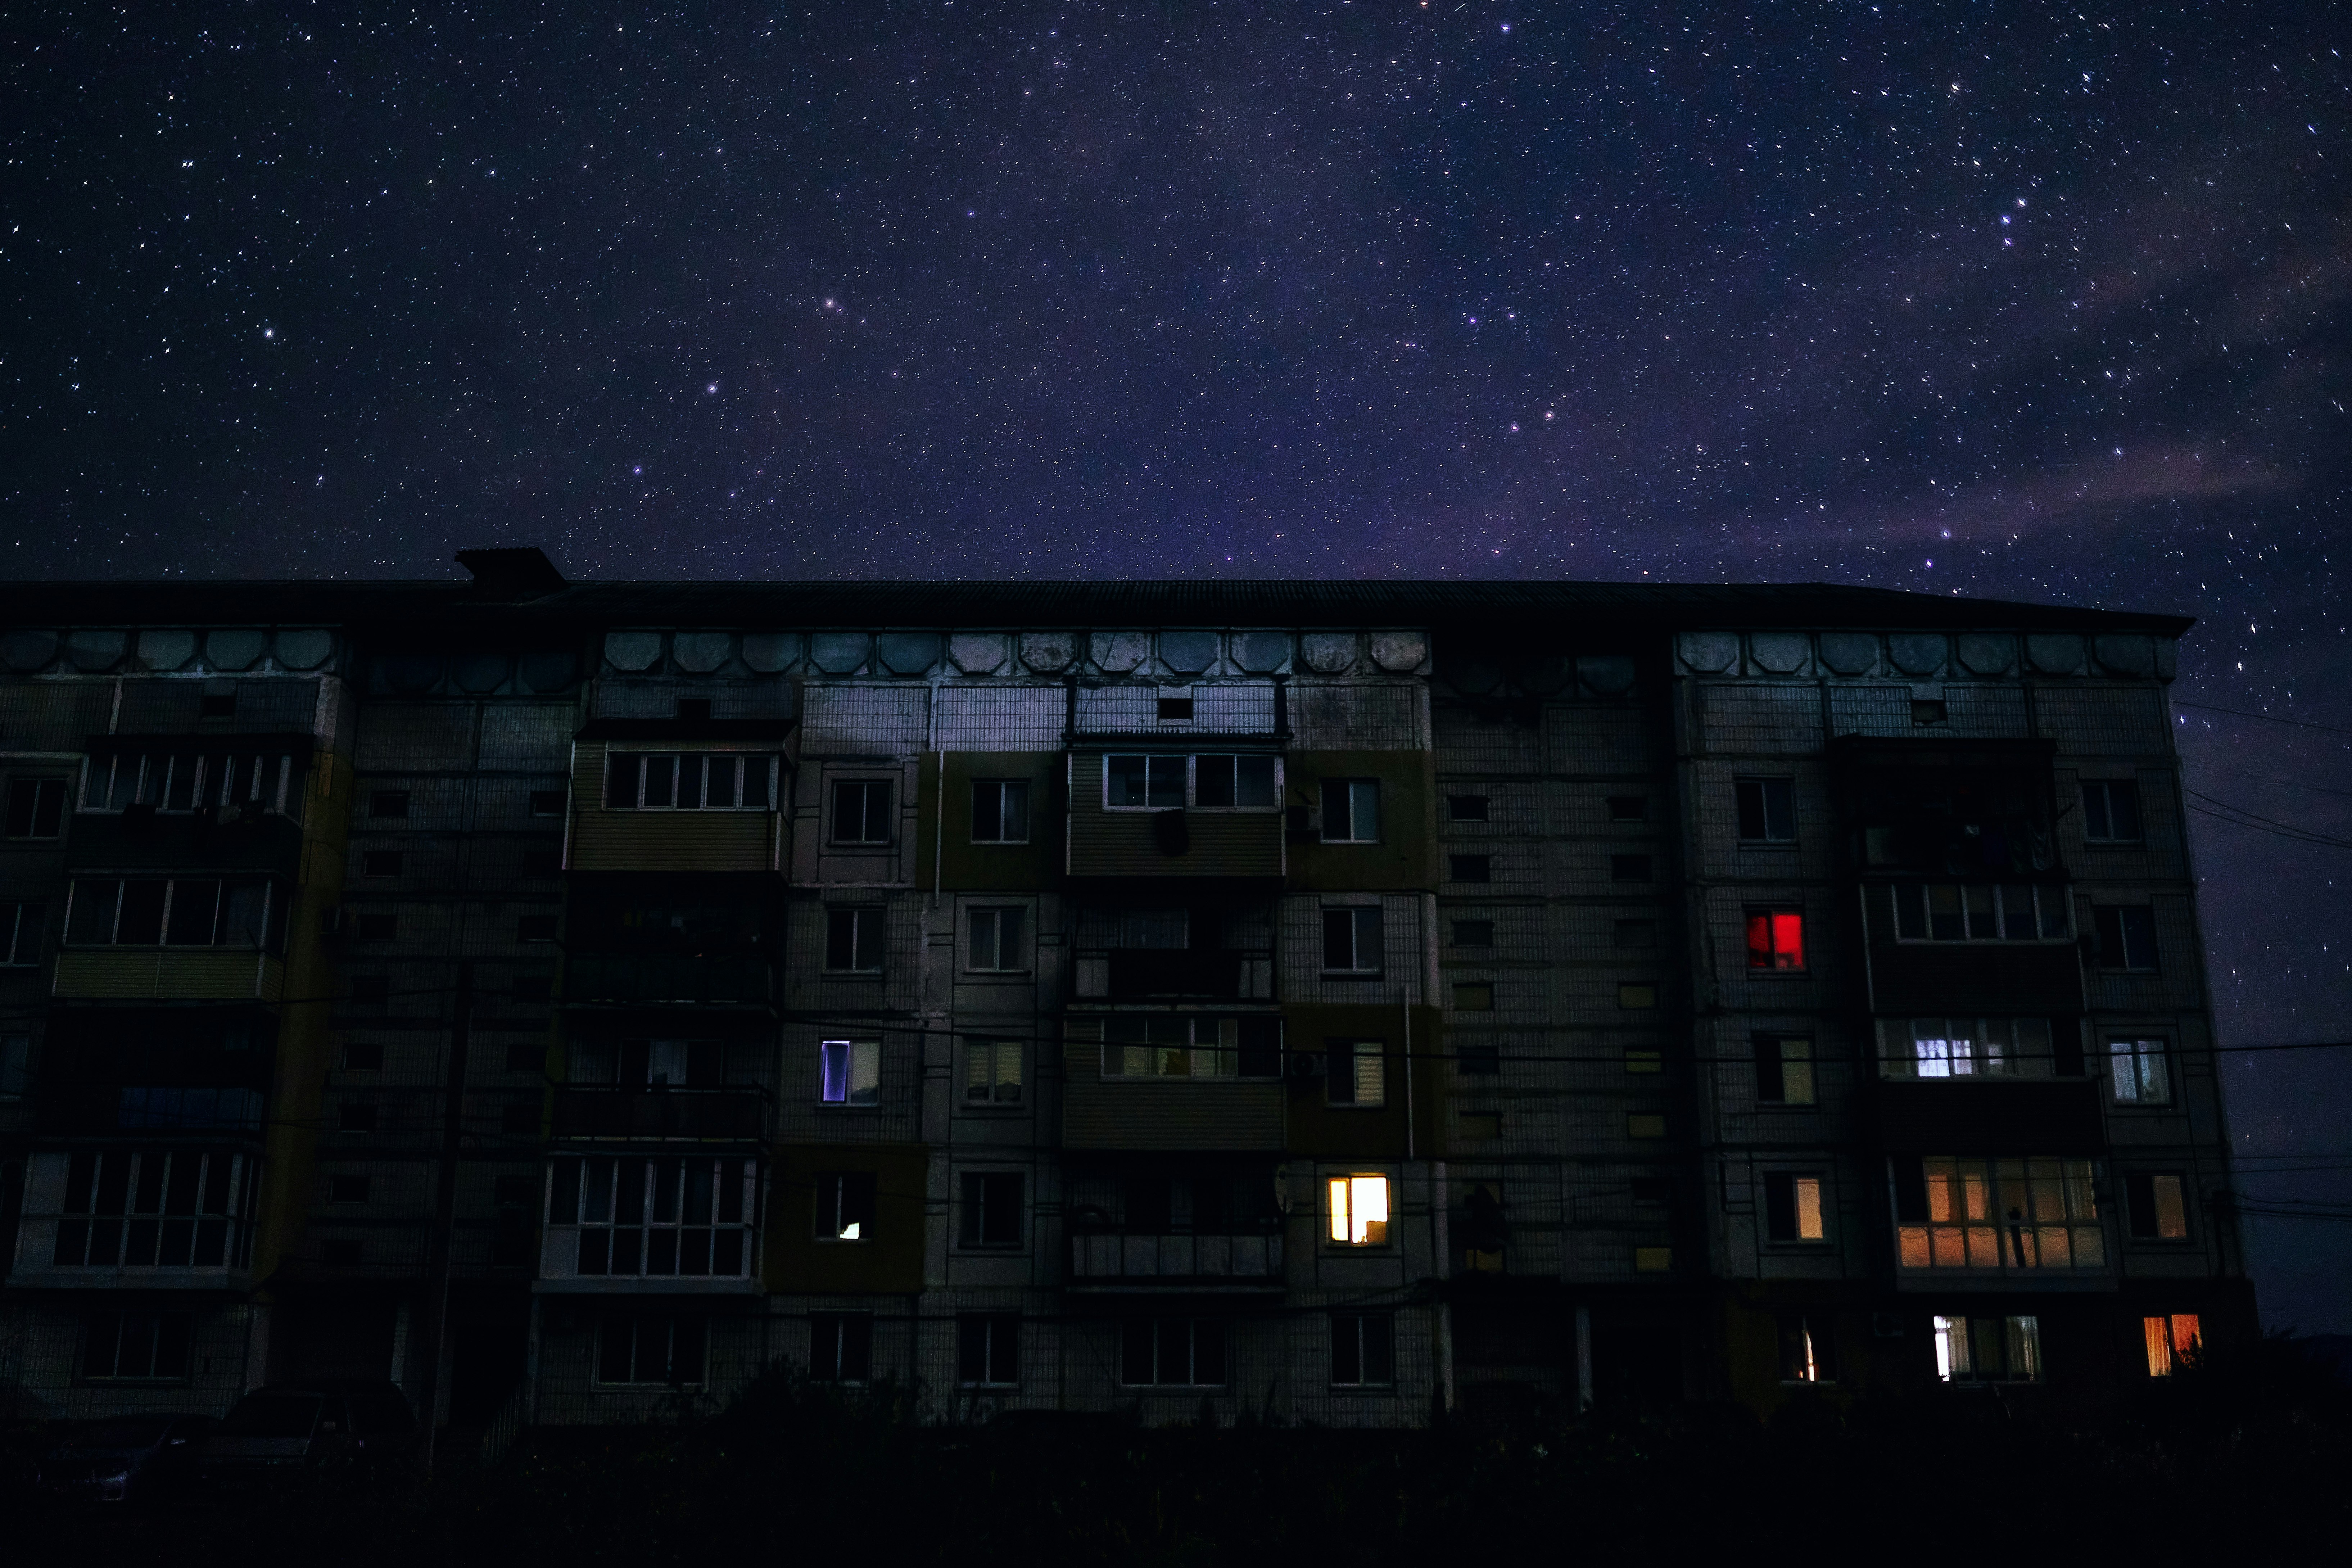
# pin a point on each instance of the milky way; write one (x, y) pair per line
(2044, 303)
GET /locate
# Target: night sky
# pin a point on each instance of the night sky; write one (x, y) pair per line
(2023, 301)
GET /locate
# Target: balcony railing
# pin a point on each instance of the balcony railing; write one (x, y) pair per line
(648, 1112)
(726, 979)
(1190, 1261)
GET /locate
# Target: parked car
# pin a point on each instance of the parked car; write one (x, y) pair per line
(310, 1426)
(125, 1459)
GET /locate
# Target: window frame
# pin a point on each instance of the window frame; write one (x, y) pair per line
(974, 1211)
(2169, 1345)
(1793, 1200)
(1772, 920)
(853, 1053)
(845, 1330)
(866, 784)
(1958, 1344)
(1777, 1071)
(2143, 1066)
(14, 952)
(1003, 790)
(599, 1222)
(1356, 921)
(270, 937)
(1998, 1046)
(634, 1384)
(1189, 785)
(2109, 832)
(984, 1059)
(853, 1198)
(60, 790)
(699, 758)
(1956, 1243)
(1775, 829)
(1348, 1227)
(998, 1337)
(2128, 954)
(1459, 867)
(1360, 1055)
(156, 1321)
(1349, 1330)
(1153, 1335)
(1351, 793)
(866, 923)
(996, 917)
(272, 785)
(2146, 1210)
(1469, 808)
(1914, 905)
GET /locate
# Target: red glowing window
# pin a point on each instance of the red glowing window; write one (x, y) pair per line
(1776, 939)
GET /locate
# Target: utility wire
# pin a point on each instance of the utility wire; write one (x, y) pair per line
(2266, 717)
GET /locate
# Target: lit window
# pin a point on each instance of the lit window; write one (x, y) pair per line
(1352, 939)
(1000, 810)
(1966, 1048)
(1351, 811)
(1792, 1208)
(1357, 1074)
(1171, 1353)
(1776, 939)
(861, 811)
(2139, 1071)
(1989, 1350)
(2174, 1343)
(1364, 1350)
(1808, 1348)
(2038, 1213)
(1784, 1070)
(991, 1072)
(1767, 810)
(844, 1206)
(2158, 1205)
(1360, 1210)
(849, 1072)
(2111, 812)
(995, 940)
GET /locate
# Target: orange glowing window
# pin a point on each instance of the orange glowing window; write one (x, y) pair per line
(2172, 1342)
(1776, 939)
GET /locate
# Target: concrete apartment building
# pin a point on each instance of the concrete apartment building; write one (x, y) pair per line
(1334, 1002)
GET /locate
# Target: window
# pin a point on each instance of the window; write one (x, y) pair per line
(1352, 939)
(849, 1072)
(535, 928)
(1629, 867)
(193, 781)
(1637, 995)
(991, 1072)
(37, 808)
(1981, 911)
(388, 802)
(1784, 1070)
(991, 1208)
(1480, 1126)
(1174, 709)
(1930, 711)
(995, 940)
(853, 940)
(1240, 783)
(156, 1208)
(2158, 1205)
(841, 1347)
(1767, 810)
(2173, 1342)
(1466, 807)
(1194, 1046)
(1644, 1060)
(1653, 1191)
(1485, 1233)
(2127, 936)
(20, 933)
(1474, 933)
(1470, 868)
(1989, 1350)
(1965, 1047)
(1478, 1058)
(2111, 811)
(2038, 1213)
(135, 1347)
(1639, 1124)
(641, 1218)
(547, 802)
(1792, 1208)
(1808, 1348)
(182, 912)
(340, 1254)
(2140, 1072)
(988, 1350)
(1357, 1073)
(844, 1206)
(1474, 996)
(861, 811)
(1144, 782)
(1629, 808)
(684, 780)
(1364, 1350)
(1653, 1259)
(1351, 811)
(1360, 1210)
(652, 1350)
(15, 1065)
(1776, 939)
(1634, 933)
(1171, 1353)
(1000, 810)
(347, 1189)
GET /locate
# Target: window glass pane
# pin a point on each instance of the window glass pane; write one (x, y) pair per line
(1165, 783)
(1253, 782)
(2095, 821)
(1796, 1071)
(195, 912)
(1125, 776)
(661, 782)
(1212, 780)
(141, 921)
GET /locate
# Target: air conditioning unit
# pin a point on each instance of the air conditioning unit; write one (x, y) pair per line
(1305, 1064)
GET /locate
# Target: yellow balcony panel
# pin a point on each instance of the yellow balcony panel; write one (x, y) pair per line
(169, 975)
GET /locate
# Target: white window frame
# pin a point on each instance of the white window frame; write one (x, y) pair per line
(994, 917)
(1000, 787)
(1190, 765)
(1367, 1078)
(2139, 1071)
(1916, 897)
(891, 809)
(1352, 792)
(1942, 1048)
(861, 1072)
(2059, 1224)
(1359, 1209)
(986, 1063)
(1356, 924)
(1960, 1343)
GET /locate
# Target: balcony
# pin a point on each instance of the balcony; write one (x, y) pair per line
(1176, 1262)
(660, 1114)
(1139, 973)
(194, 842)
(722, 979)
(168, 974)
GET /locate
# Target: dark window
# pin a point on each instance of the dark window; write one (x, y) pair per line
(1466, 807)
(2127, 936)
(516, 1191)
(988, 1350)
(1351, 940)
(1767, 810)
(1471, 868)
(388, 802)
(20, 933)
(2111, 811)
(379, 928)
(1260, 1054)
(1175, 708)
(535, 928)
(36, 808)
(993, 940)
(1776, 939)
(844, 1206)
(358, 1116)
(146, 1347)
(547, 802)
(1485, 1234)
(1474, 996)
(1351, 811)
(1364, 1350)
(1629, 867)
(347, 1189)
(382, 863)
(1236, 779)
(532, 987)
(1481, 1058)
(991, 1208)
(1171, 1353)
(841, 1347)
(1636, 933)
(364, 1056)
(861, 811)
(1629, 808)
(1474, 933)
(1792, 1208)
(1784, 1070)
(652, 1348)
(1930, 711)
(1808, 1348)
(1146, 781)
(2158, 1205)
(853, 940)
(1000, 810)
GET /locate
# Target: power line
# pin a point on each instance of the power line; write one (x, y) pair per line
(2266, 717)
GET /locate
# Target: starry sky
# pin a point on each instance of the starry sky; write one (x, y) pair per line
(2030, 302)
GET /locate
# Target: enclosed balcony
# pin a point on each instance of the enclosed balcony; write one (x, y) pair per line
(657, 1112)
(1186, 1261)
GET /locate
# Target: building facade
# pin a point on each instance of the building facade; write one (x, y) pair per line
(1328, 1002)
